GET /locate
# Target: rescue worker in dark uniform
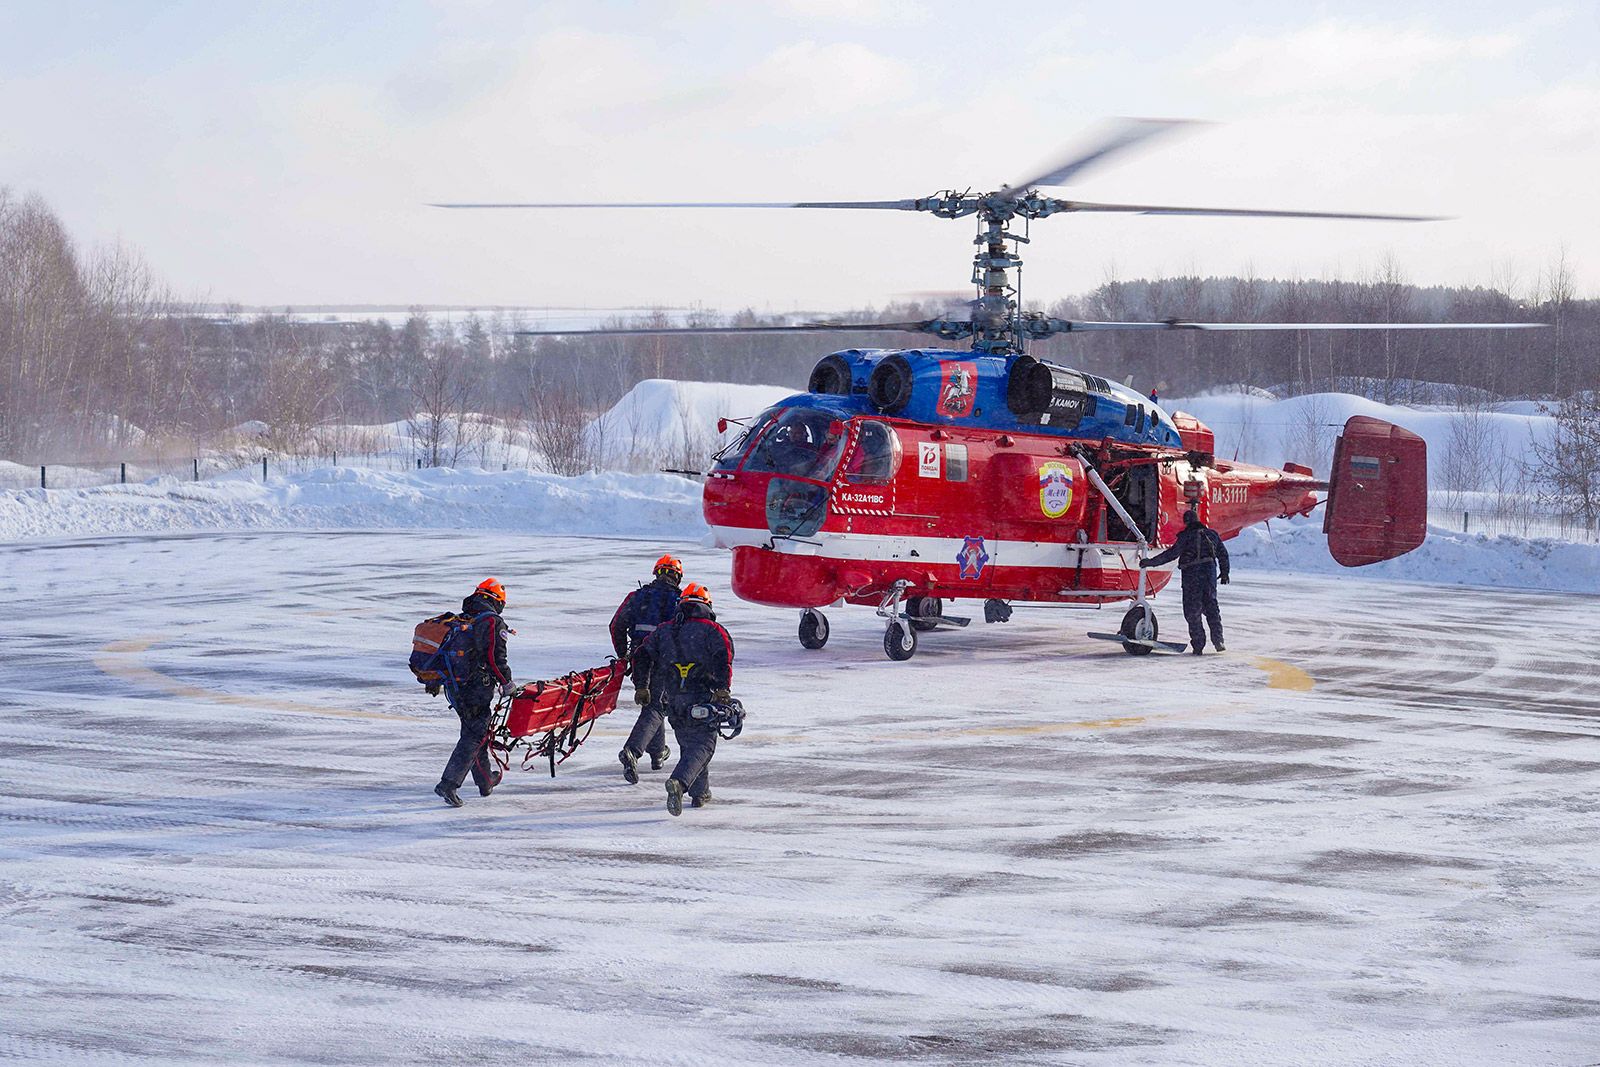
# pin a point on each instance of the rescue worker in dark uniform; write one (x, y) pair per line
(689, 661)
(472, 697)
(1199, 552)
(638, 616)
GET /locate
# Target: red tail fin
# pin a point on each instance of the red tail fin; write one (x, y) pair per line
(1378, 493)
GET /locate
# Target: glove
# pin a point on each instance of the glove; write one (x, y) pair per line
(1143, 562)
(507, 690)
(1223, 579)
(431, 690)
(721, 696)
(641, 696)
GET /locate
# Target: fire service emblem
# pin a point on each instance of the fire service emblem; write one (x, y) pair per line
(972, 558)
(1055, 489)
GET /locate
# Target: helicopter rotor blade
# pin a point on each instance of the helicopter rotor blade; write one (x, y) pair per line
(803, 327)
(1178, 324)
(1240, 212)
(1116, 137)
(880, 205)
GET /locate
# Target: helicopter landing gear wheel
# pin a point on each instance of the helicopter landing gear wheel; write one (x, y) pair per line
(813, 629)
(1139, 624)
(900, 641)
(924, 612)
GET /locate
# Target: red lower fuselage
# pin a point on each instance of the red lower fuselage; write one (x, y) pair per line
(968, 513)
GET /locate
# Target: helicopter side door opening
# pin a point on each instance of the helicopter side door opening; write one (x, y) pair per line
(1138, 490)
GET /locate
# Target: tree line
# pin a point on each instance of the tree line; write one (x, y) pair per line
(97, 355)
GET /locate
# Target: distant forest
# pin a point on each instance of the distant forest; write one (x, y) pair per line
(95, 352)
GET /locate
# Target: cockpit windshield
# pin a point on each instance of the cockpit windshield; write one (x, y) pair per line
(800, 443)
(728, 456)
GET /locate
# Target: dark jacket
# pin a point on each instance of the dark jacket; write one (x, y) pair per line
(640, 612)
(487, 666)
(1197, 546)
(686, 659)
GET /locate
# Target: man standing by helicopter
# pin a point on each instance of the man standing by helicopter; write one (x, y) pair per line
(636, 619)
(689, 662)
(1200, 554)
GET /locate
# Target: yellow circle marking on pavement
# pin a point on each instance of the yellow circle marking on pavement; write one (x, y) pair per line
(124, 659)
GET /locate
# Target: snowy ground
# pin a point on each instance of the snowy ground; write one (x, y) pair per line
(1364, 835)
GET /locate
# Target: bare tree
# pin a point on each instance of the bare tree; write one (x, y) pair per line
(562, 428)
(441, 392)
(1567, 463)
(1308, 437)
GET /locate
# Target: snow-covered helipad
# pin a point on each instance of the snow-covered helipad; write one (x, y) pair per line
(1367, 834)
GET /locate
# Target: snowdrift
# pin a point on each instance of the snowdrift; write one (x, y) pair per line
(1447, 557)
(676, 421)
(627, 505)
(1256, 428)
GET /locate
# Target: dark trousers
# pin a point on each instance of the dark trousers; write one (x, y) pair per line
(649, 733)
(472, 750)
(1200, 602)
(696, 743)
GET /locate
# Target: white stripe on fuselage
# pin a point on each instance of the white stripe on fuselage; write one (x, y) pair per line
(865, 546)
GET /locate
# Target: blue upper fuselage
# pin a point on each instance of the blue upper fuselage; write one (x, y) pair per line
(968, 389)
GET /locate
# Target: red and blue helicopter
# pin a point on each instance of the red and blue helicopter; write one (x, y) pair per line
(903, 478)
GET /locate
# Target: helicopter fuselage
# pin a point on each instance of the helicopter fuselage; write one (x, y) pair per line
(940, 474)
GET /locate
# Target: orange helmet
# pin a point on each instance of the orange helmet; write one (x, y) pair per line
(491, 587)
(670, 564)
(696, 593)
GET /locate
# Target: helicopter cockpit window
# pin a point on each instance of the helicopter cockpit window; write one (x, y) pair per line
(875, 456)
(728, 457)
(800, 443)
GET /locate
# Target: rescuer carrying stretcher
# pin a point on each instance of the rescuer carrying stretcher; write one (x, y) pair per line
(465, 656)
(636, 619)
(1199, 552)
(689, 663)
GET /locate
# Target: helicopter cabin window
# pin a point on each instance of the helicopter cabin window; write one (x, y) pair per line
(955, 463)
(1134, 416)
(876, 455)
(727, 458)
(800, 443)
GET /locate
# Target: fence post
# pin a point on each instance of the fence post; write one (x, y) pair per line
(123, 474)
(419, 466)
(197, 468)
(263, 468)
(336, 459)
(1464, 522)
(41, 477)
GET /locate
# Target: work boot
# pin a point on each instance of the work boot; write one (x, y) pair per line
(1198, 648)
(674, 796)
(700, 801)
(1219, 646)
(498, 775)
(447, 791)
(658, 760)
(630, 766)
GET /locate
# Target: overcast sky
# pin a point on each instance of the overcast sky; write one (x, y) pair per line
(280, 153)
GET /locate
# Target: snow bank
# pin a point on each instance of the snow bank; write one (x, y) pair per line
(352, 498)
(1446, 557)
(1302, 429)
(664, 419)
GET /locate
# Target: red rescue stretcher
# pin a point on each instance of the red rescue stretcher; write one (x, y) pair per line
(549, 720)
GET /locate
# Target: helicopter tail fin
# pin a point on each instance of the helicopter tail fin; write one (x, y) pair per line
(1377, 494)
